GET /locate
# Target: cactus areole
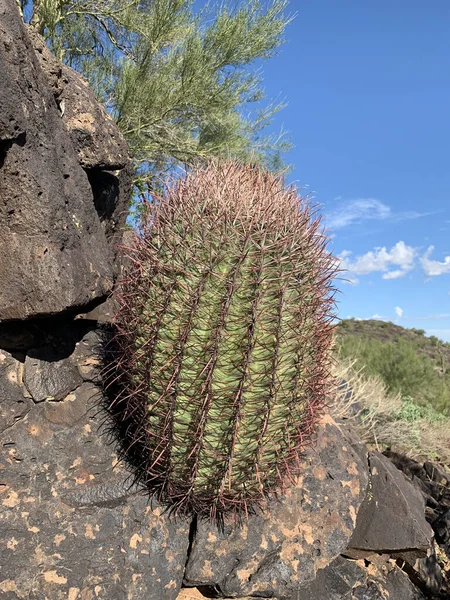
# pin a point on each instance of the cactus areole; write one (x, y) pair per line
(224, 330)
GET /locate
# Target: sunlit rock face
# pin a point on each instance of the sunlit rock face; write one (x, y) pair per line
(55, 256)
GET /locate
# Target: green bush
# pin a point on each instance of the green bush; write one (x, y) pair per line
(418, 331)
(402, 368)
(411, 411)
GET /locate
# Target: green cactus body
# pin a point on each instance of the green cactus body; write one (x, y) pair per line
(224, 332)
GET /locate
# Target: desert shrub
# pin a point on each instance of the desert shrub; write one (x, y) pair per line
(389, 421)
(418, 331)
(402, 368)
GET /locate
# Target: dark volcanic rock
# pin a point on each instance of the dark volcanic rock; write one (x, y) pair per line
(276, 553)
(410, 467)
(430, 478)
(442, 529)
(433, 481)
(112, 192)
(50, 65)
(424, 572)
(392, 517)
(94, 134)
(86, 356)
(71, 526)
(103, 313)
(13, 405)
(100, 146)
(345, 579)
(47, 378)
(54, 254)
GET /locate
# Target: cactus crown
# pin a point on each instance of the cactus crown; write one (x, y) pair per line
(223, 333)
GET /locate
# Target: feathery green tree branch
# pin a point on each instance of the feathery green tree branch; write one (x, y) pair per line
(182, 85)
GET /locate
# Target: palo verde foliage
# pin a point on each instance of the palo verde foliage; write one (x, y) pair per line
(224, 328)
(181, 83)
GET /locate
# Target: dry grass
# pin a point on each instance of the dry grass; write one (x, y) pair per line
(385, 420)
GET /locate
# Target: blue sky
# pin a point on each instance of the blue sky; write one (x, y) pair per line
(368, 92)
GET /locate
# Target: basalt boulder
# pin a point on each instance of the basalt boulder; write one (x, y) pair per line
(53, 239)
(72, 524)
(392, 517)
(281, 550)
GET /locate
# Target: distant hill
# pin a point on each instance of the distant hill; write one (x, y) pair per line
(385, 331)
(408, 361)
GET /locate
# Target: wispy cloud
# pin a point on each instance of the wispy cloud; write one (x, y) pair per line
(394, 274)
(380, 260)
(434, 267)
(355, 212)
(429, 317)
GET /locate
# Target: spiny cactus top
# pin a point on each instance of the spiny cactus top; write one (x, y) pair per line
(224, 328)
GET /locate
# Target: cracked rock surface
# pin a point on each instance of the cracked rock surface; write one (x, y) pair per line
(278, 552)
(60, 205)
(377, 579)
(71, 525)
(391, 518)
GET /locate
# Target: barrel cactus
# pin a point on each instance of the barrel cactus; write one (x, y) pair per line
(221, 364)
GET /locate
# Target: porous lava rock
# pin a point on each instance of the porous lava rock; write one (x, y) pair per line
(13, 405)
(100, 146)
(277, 552)
(72, 525)
(392, 517)
(47, 378)
(430, 479)
(96, 138)
(377, 579)
(54, 248)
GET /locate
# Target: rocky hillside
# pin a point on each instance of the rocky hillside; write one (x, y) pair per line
(409, 362)
(385, 331)
(72, 523)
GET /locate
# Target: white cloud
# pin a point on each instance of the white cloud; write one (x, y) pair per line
(399, 311)
(436, 317)
(357, 211)
(376, 316)
(393, 274)
(434, 267)
(380, 260)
